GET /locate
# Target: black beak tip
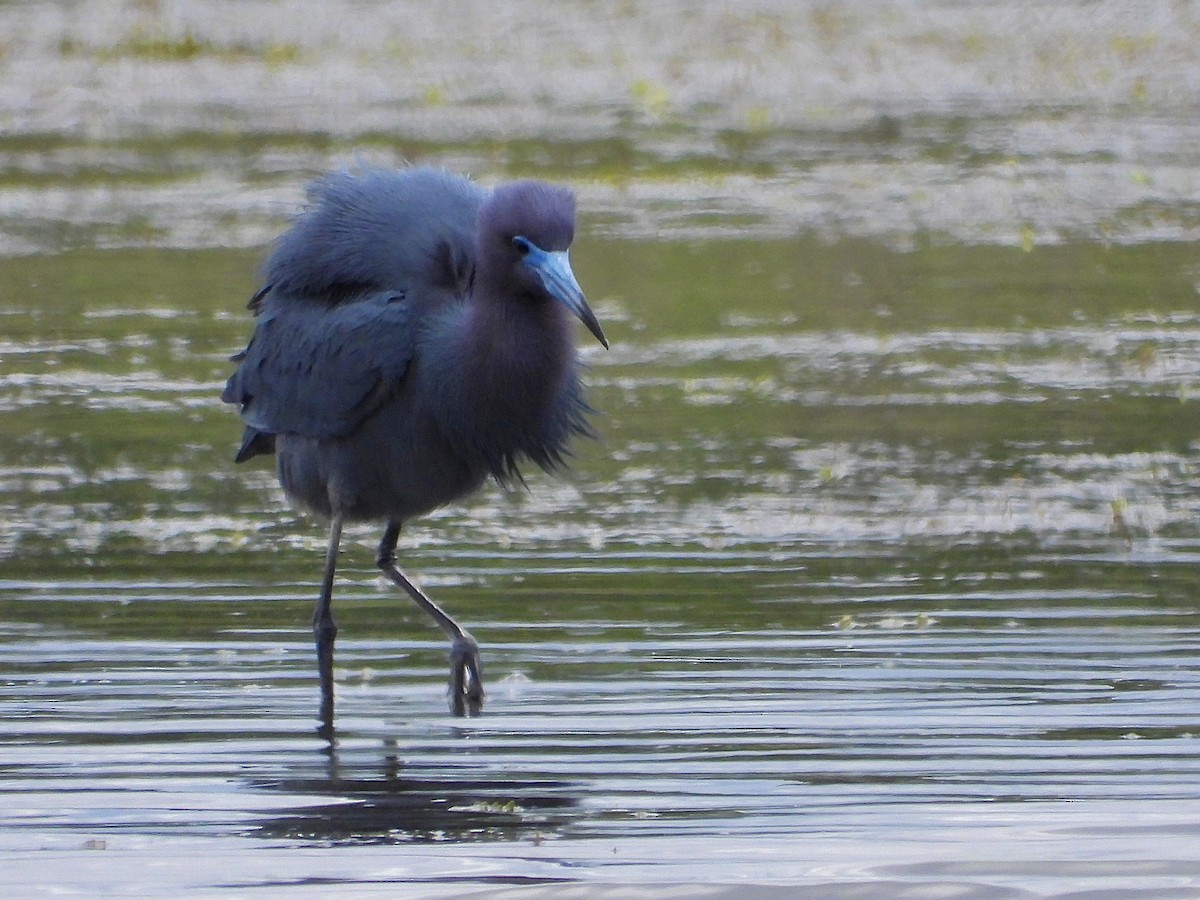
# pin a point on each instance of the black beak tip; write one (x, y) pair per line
(593, 325)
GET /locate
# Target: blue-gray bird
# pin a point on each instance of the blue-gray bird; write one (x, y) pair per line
(413, 339)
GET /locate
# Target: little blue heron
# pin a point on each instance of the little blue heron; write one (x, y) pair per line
(412, 339)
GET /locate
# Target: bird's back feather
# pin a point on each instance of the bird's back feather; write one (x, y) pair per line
(411, 230)
(335, 328)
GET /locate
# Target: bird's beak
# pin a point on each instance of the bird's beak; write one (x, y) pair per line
(559, 281)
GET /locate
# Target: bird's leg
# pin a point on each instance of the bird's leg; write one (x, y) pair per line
(466, 678)
(324, 629)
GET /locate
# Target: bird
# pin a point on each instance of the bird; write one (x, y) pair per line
(413, 339)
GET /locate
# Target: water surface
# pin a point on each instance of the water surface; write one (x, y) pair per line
(881, 578)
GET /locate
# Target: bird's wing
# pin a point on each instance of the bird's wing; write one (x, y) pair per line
(315, 370)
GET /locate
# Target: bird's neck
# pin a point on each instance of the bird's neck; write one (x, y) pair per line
(508, 384)
(517, 352)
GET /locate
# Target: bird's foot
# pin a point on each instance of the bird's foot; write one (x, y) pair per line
(466, 677)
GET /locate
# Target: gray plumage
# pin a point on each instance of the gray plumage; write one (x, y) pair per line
(413, 338)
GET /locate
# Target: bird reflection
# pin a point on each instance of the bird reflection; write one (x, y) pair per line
(381, 803)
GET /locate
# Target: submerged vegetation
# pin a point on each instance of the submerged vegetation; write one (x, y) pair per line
(154, 45)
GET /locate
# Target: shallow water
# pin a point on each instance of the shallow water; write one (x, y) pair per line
(846, 604)
(881, 580)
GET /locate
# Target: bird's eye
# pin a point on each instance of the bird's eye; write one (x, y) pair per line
(523, 246)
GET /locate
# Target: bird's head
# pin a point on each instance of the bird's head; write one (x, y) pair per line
(527, 228)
